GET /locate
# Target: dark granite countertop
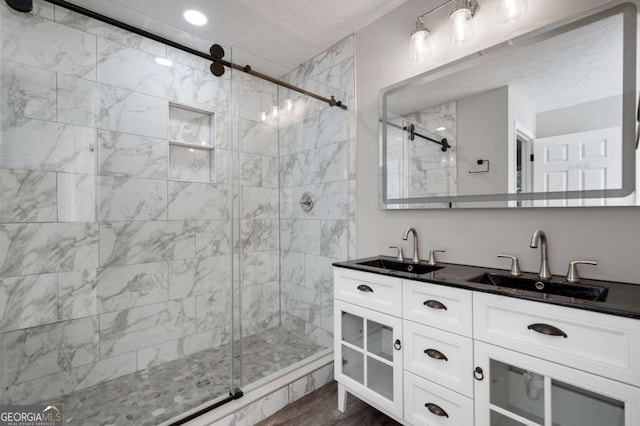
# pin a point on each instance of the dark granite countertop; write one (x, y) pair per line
(623, 299)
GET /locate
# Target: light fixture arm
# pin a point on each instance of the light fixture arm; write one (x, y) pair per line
(474, 6)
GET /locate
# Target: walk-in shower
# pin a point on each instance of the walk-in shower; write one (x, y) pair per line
(154, 257)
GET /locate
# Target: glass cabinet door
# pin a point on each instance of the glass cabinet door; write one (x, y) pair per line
(368, 351)
(514, 389)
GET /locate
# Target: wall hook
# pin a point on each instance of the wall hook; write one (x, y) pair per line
(481, 162)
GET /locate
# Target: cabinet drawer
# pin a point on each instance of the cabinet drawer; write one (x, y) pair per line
(443, 358)
(601, 344)
(372, 291)
(446, 308)
(426, 403)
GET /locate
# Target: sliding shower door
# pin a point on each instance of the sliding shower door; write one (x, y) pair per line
(115, 223)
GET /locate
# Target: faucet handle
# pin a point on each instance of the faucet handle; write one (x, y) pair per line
(572, 274)
(515, 265)
(432, 256)
(400, 256)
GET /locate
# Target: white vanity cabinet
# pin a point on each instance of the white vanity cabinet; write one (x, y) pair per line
(368, 343)
(428, 354)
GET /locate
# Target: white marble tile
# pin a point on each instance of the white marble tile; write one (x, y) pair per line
(38, 42)
(334, 55)
(123, 198)
(270, 299)
(301, 168)
(137, 328)
(189, 164)
(259, 203)
(132, 155)
(45, 145)
(213, 312)
(223, 130)
(251, 169)
(72, 380)
(189, 126)
(27, 196)
(126, 243)
(259, 235)
(222, 166)
(302, 236)
(260, 267)
(76, 198)
(292, 267)
(178, 348)
(331, 200)
(129, 68)
(334, 241)
(91, 104)
(198, 201)
(77, 294)
(318, 335)
(334, 162)
(213, 237)
(192, 61)
(326, 312)
(302, 303)
(262, 408)
(290, 202)
(310, 382)
(339, 80)
(43, 9)
(49, 349)
(195, 277)
(130, 286)
(27, 91)
(328, 126)
(28, 301)
(258, 138)
(49, 247)
(291, 138)
(3, 382)
(319, 273)
(251, 308)
(211, 92)
(101, 29)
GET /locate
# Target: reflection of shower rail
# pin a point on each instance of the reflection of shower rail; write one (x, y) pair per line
(411, 129)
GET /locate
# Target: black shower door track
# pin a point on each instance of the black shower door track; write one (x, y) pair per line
(20, 5)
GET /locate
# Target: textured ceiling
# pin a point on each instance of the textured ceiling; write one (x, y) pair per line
(287, 32)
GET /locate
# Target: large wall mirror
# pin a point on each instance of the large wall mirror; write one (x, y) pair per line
(547, 119)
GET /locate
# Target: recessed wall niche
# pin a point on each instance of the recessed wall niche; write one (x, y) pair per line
(191, 144)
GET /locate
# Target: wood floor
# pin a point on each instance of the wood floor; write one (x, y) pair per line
(320, 408)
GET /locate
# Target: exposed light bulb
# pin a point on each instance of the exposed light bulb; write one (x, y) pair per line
(509, 10)
(419, 47)
(441, 129)
(288, 104)
(195, 17)
(461, 25)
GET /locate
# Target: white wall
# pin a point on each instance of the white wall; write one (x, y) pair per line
(600, 114)
(483, 134)
(610, 236)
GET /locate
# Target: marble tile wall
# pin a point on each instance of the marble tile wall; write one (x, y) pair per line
(110, 260)
(317, 155)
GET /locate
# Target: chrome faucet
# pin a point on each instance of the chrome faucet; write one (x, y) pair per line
(540, 236)
(416, 256)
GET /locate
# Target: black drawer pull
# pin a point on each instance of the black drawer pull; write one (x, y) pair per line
(434, 304)
(435, 354)
(436, 409)
(547, 329)
(365, 288)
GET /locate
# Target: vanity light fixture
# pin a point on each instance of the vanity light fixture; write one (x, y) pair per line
(195, 17)
(460, 23)
(509, 10)
(420, 47)
(164, 62)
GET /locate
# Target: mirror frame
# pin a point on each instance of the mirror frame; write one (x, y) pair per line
(629, 12)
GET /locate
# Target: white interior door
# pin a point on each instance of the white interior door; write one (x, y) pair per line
(578, 162)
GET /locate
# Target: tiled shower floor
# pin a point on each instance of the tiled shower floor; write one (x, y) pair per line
(162, 392)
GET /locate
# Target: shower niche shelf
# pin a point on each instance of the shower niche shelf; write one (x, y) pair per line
(191, 134)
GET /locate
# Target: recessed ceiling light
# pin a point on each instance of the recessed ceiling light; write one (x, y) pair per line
(164, 62)
(195, 17)
(441, 129)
